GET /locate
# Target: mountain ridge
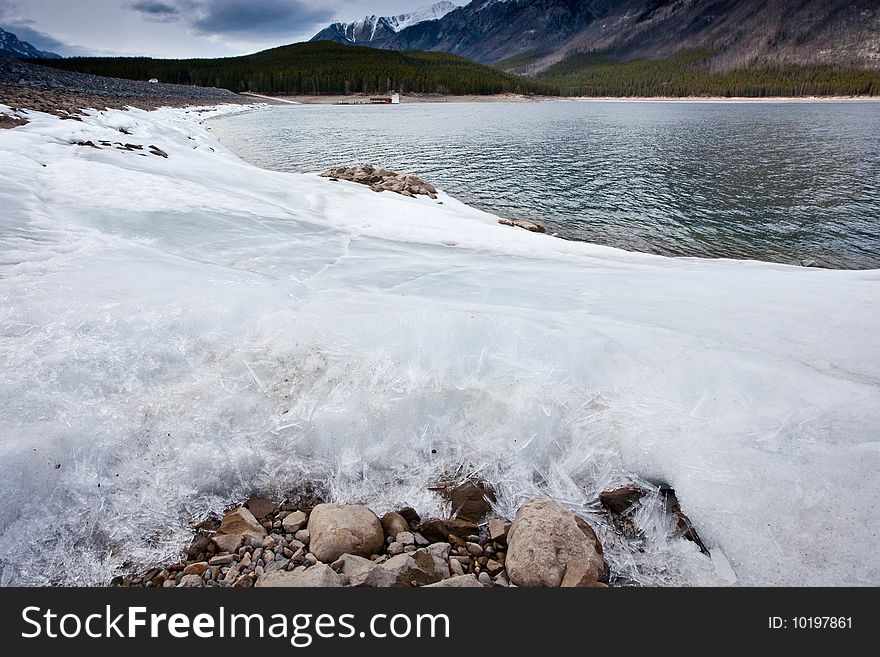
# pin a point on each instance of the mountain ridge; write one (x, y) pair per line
(12, 46)
(537, 34)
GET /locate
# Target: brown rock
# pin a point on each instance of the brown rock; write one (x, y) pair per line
(411, 516)
(440, 530)
(293, 522)
(319, 576)
(547, 547)
(337, 529)
(260, 506)
(470, 500)
(459, 582)
(237, 527)
(393, 524)
(620, 500)
(197, 568)
(498, 529)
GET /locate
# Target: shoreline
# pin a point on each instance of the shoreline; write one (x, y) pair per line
(520, 99)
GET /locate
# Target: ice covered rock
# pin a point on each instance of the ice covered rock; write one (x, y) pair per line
(319, 576)
(238, 526)
(548, 546)
(337, 529)
(260, 506)
(471, 500)
(619, 500)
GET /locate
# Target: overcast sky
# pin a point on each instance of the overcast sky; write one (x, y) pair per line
(181, 28)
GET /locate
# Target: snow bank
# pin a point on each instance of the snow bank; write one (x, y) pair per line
(176, 333)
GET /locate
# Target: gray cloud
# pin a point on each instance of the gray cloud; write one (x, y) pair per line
(153, 10)
(237, 17)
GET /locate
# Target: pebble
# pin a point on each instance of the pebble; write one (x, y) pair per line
(475, 549)
(455, 568)
(406, 538)
(484, 578)
(395, 548)
(302, 536)
(311, 559)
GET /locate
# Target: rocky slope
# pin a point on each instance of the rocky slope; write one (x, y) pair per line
(12, 46)
(534, 34)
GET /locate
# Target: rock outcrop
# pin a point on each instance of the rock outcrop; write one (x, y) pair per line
(382, 180)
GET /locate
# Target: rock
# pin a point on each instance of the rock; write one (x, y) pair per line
(337, 529)
(302, 536)
(439, 530)
(406, 538)
(260, 506)
(238, 526)
(493, 567)
(199, 544)
(475, 549)
(620, 500)
(380, 180)
(155, 150)
(684, 526)
(440, 549)
(498, 529)
(547, 547)
(530, 226)
(420, 540)
(395, 548)
(196, 568)
(484, 579)
(222, 560)
(394, 523)
(470, 500)
(320, 576)
(455, 568)
(414, 569)
(293, 522)
(355, 568)
(409, 514)
(191, 580)
(459, 582)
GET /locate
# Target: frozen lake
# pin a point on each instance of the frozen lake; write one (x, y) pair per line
(774, 181)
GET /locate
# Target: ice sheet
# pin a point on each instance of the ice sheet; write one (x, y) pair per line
(177, 333)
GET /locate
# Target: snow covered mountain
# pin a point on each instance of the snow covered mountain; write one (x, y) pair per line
(12, 46)
(375, 29)
(532, 35)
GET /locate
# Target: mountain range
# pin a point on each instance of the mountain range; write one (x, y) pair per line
(12, 46)
(531, 36)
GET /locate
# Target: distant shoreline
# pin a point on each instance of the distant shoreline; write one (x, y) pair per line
(521, 98)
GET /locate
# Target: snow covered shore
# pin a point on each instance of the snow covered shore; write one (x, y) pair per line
(179, 332)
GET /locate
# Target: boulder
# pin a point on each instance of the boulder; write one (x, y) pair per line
(238, 526)
(394, 523)
(319, 576)
(548, 547)
(337, 529)
(460, 582)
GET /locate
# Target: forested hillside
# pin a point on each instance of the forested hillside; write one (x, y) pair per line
(317, 68)
(689, 74)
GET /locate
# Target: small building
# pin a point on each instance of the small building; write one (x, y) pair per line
(393, 99)
(154, 81)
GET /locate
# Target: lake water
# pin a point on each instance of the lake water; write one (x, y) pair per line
(781, 181)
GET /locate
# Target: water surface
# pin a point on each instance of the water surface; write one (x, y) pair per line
(777, 181)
